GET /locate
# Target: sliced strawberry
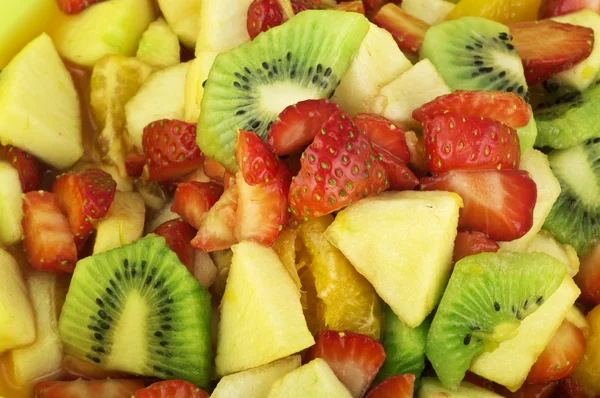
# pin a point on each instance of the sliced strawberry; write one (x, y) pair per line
(213, 169)
(75, 6)
(171, 149)
(171, 389)
(455, 142)
(255, 159)
(588, 277)
(178, 235)
(472, 242)
(303, 5)
(527, 390)
(193, 199)
(401, 386)
(338, 168)
(504, 107)
(352, 6)
(217, 230)
(47, 237)
(384, 133)
(134, 163)
(554, 8)
(27, 166)
(262, 16)
(400, 176)
(85, 197)
(562, 47)
(407, 31)
(354, 358)
(569, 387)
(109, 388)
(497, 202)
(298, 124)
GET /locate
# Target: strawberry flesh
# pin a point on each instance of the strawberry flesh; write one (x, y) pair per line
(262, 16)
(217, 230)
(75, 6)
(193, 199)
(171, 389)
(401, 386)
(384, 133)
(255, 159)
(27, 166)
(178, 235)
(213, 169)
(468, 243)
(554, 8)
(407, 31)
(400, 176)
(108, 388)
(588, 277)
(134, 163)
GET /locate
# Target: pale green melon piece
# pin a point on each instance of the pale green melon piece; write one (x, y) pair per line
(11, 209)
(159, 46)
(222, 25)
(430, 11)
(313, 380)
(433, 388)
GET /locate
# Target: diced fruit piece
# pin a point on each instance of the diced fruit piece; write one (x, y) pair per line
(416, 147)
(570, 387)
(504, 11)
(214, 170)
(222, 260)
(497, 202)
(510, 363)
(588, 278)
(222, 25)
(401, 386)
(352, 6)
(11, 209)
(183, 18)
(407, 31)
(113, 318)
(554, 8)
(171, 388)
(261, 320)
(231, 103)
(254, 158)
(160, 216)
(298, 124)
(472, 242)
(392, 261)
(256, 382)
(44, 356)
(378, 61)
(17, 324)
(487, 297)
(430, 11)
(178, 235)
(576, 317)
(27, 166)
(263, 15)
(338, 168)
(123, 224)
(544, 242)
(217, 230)
(111, 27)
(315, 379)
(48, 130)
(109, 388)
(159, 46)
(193, 199)
(433, 388)
(400, 176)
(384, 133)
(75, 6)
(204, 269)
(194, 84)
(160, 97)
(588, 371)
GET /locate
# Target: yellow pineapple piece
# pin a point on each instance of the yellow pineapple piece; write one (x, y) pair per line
(222, 25)
(588, 370)
(433, 388)
(544, 242)
(183, 18)
(576, 317)
(123, 224)
(503, 11)
(194, 91)
(11, 207)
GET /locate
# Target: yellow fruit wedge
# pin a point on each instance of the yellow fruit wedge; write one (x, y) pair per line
(159, 46)
(183, 17)
(503, 11)
(544, 242)
(123, 224)
(11, 205)
(588, 370)
(433, 388)
(222, 25)
(194, 90)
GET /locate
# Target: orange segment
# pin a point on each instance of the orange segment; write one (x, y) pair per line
(503, 11)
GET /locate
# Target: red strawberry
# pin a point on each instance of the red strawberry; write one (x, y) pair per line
(401, 386)
(497, 202)
(372, 6)
(193, 199)
(544, 390)
(384, 133)
(178, 235)
(47, 237)
(134, 163)
(455, 142)
(504, 107)
(569, 387)
(303, 5)
(255, 159)
(171, 389)
(554, 8)
(298, 124)
(354, 358)
(352, 6)
(171, 149)
(262, 16)
(75, 6)
(27, 166)
(407, 30)
(472, 242)
(217, 230)
(400, 176)
(85, 197)
(338, 168)
(109, 388)
(213, 169)
(588, 277)
(563, 47)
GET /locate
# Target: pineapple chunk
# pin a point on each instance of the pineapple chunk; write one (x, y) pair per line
(313, 380)
(110, 27)
(388, 239)
(123, 224)
(194, 90)
(257, 382)
(378, 61)
(17, 325)
(261, 316)
(544, 242)
(430, 11)
(39, 107)
(183, 18)
(159, 46)
(510, 363)
(21, 22)
(160, 97)
(576, 317)
(11, 209)
(433, 388)
(43, 357)
(222, 25)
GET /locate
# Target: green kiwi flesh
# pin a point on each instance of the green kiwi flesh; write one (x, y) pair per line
(575, 216)
(474, 53)
(137, 309)
(487, 297)
(249, 86)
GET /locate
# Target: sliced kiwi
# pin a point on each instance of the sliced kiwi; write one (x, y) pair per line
(474, 53)
(137, 309)
(575, 216)
(249, 86)
(487, 297)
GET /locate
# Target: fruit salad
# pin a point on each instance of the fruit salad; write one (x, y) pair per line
(300, 198)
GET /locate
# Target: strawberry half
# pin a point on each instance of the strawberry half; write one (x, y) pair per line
(27, 166)
(171, 389)
(497, 202)
(178, 235)
(298, 124)
(134, 163)
(338, 168)
(255, 159)
(352, 6)
(384, 133)
(407, 31)
(354, 358)
(401, 386)
(262, 16)
(85, 197)
(47, 237)
(75, 6)
(217, 230)
(548, 47)
(170, 149)
(472, 242)
(193, 199)
(554, 8)
(504, 107)
(455, 142)
(400, 176)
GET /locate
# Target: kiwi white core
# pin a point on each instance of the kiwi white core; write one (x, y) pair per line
(573, 167)
(507, 60)
(275, 97)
